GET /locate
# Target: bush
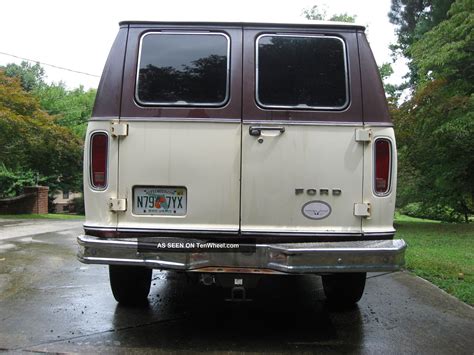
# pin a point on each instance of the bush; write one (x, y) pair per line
(79, 205)
(440, 213)
(51, 205)
(12, 182)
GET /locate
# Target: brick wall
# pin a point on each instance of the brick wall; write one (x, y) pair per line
(33, 201)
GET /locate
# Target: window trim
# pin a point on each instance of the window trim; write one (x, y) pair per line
(178, 104)
(298, 107)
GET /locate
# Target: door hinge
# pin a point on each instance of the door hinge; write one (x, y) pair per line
(363, 135)
(362, 209)
(118, 204)
(119, 129)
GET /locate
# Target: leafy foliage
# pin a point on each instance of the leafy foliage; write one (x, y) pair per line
(435, 132)
(79, 206)
(391, 90)
(416, 17)
(70, 108)
(41, 131)
(433, 212)
(345, 17)
(31, 141)
(319, 13)
(316, 12)
(436, 126)
(12, 182)
(413, 19)
(31, 76)
(447, 51)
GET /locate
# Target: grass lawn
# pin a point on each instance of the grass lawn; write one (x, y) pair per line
(41, 216)
(442, 253)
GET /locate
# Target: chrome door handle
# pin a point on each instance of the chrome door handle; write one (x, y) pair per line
(257, 131)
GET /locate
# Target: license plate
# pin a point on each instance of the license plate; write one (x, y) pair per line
(159, 200)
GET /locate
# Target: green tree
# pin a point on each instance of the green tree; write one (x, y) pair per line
(31, 76)
(315, 12)
(345, 17)
(435, 127)
(31, 141)
(319, 13)
(413, 18)
(71, 108)
(435, 132)
(447, 51)
(391, 91)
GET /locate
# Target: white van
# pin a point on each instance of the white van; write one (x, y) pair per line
(230, 150)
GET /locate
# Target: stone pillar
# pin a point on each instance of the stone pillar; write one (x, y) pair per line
(40, 205)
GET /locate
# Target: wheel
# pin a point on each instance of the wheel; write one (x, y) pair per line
(130, 284)
(344, 289)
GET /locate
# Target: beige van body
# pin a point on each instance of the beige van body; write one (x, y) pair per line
(236, 141)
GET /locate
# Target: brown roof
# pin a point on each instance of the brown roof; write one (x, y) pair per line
(303, 23)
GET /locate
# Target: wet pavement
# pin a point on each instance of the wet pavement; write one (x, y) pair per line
(51, 302)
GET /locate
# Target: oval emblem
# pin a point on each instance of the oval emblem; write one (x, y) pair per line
(316, 209)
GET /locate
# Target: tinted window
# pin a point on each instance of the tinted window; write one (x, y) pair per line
(183, 69)
(301, 72)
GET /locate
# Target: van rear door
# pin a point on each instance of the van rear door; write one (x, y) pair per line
(301, 164)
(179, 164)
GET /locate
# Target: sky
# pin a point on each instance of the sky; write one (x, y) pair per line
(78, 35)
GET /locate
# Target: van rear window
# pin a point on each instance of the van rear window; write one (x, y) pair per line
(302, 72)
(183, 69)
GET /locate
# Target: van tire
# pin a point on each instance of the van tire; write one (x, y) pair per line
(130, 284)
(344, 289)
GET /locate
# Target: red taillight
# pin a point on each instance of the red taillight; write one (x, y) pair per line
(99, 150)
(383, 151)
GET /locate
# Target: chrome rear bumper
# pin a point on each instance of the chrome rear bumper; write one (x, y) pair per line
(293, 258)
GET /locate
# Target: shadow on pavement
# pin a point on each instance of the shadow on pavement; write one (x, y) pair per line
(286, 313)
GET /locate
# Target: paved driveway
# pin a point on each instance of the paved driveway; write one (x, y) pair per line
(50, 302)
